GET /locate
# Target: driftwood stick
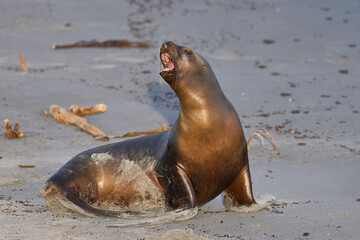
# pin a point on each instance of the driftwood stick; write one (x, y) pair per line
(63, 116)
(109, 43)
(135, 134)
(81, 111)
(147, 132)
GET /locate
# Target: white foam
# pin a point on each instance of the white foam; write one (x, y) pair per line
(134, 173)
(138, 174)
(264, 201)
(168, 217)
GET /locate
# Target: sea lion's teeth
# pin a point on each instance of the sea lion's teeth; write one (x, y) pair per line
(165, 58)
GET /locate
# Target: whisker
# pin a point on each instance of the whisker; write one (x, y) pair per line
(160, 69)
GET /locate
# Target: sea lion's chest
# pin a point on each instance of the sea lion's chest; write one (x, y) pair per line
(211, 157)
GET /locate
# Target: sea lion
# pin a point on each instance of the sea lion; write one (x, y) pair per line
(166, 176)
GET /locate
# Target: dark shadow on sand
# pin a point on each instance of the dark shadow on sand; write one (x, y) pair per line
(163, 100)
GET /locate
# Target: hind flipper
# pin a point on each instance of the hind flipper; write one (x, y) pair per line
(76, 204)
(60, 197)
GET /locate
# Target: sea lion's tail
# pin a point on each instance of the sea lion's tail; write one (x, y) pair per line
(57, 198)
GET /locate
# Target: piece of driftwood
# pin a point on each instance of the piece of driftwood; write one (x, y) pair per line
(135, 134)
(23, 63)
(81, 111)
(109, 43)
(12, 133)
(63, 116)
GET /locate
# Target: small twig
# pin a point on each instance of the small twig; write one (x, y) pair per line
(280, 156)
(164, 127)
(261, 138)
(278, 127)
(23, 63)
(135, 134)
(12, 133)
(103, 138)
(26, 166)
(257, 133)
(45, 112)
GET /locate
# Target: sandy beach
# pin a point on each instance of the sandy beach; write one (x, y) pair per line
(289, 67)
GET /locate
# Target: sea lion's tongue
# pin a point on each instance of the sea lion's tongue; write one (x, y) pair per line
(169, 66)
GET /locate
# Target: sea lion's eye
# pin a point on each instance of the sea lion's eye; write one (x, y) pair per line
(187, 51)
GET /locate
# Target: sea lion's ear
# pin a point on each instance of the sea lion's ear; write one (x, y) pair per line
(203, 65)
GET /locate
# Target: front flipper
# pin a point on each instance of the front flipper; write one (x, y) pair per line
(180, 201)
(238, 197)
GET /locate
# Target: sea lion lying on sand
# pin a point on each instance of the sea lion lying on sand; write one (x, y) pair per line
(165, 177)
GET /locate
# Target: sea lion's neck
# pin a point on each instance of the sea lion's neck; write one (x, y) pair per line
(202, 106)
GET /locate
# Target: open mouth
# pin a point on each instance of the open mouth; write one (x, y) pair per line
(167, 61)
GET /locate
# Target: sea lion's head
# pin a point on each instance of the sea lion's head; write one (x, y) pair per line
(190, 76)
(182, 65)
